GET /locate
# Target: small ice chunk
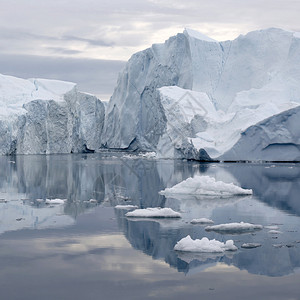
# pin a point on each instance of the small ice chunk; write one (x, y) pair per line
(202, 221)
(55, 201)
(275, 232)
(205, 185)
(272, 227)
(154, 212)
(250, 245)
(126, 206)
(234, 228)
(204, 245)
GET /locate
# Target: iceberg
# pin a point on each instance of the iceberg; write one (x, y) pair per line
(196, 98)
(234, 228)
(154, 212)
(40, 116)
(205, 185)
(204, 245)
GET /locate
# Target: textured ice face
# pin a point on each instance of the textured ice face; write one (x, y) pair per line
(40, 116)
(234, 85)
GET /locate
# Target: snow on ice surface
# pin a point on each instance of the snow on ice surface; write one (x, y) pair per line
(202, 221)
(204, 245)
(154, 212)
(14, 92)
(198, 35)
(205, 185)
(297, 35)
(126, 206)
(234, 228)
(55, 201)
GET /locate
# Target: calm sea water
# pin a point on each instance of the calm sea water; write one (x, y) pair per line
(90, 250)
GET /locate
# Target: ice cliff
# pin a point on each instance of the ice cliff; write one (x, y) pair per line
(41, 116)
(193, 97)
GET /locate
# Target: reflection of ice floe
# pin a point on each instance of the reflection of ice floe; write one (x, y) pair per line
(189, 257)
(187, 244)
(154, 212)
(15, 215)
(205, 185)
(234, 228)
(202, 221)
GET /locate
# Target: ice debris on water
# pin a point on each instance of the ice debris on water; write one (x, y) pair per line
(154, 212)
(205, 185)
(204, 245)
(234, 228)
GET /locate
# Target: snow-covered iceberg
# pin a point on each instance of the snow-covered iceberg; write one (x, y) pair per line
(39, 116)
(204, 245)
(193, 97)
(205, 185)
(154, 212)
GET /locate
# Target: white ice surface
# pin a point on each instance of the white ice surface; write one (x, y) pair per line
(234, 227)
(15, 92)
(204, 245)
(154, 212)
(219, 130)
(205, 185)
(198, 35)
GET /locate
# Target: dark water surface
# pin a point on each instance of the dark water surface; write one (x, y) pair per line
(90, 250)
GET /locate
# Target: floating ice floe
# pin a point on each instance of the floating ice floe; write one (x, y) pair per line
(272, 227)
(205, 185)
(202, 221)
(126, 206)
(154, 212)
(275, 232)
(250, 245)
(234, 228)
(55, 201)
(204, 245)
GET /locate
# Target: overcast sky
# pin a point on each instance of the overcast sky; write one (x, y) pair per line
(88, 41)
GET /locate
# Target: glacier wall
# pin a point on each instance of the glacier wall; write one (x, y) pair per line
(44, 117)
(230, 86)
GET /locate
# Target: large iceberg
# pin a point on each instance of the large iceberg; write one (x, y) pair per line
(196, 98)
(40, 116)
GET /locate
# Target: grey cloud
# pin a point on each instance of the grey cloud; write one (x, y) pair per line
(60, 50)
(88, 41)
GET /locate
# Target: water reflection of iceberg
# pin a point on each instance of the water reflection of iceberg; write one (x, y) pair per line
(15, 215)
